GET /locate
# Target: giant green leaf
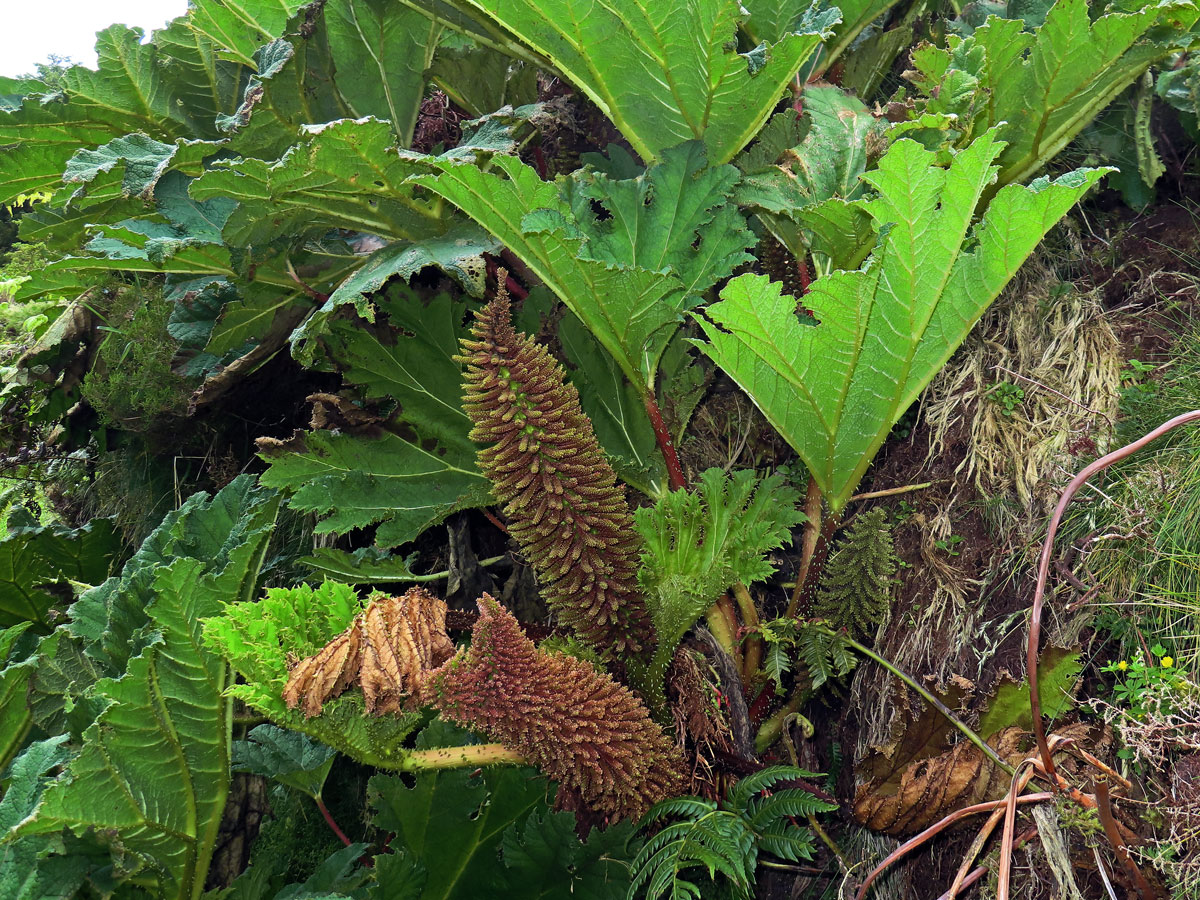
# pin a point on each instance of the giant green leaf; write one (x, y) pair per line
(15, 667)
(461, 834)
(237, 28)
(354, 481)
(127, 92)
(204, 81)
(283, 96)
(29, 869)
(229, 532)
(631, 311)
(352, 59)
(418, 469)
(346, 174)
(481, 79)
(1045, 85)
(798, 162)
(451, 823)
(262, 638)
(665, 72)
(289, 757)
(677, 215)
(34, 559)
(771, 20)
(1058, 675)
(130, 167)
(834, 387)
(153, 772)
(382, 51)
(152, 767)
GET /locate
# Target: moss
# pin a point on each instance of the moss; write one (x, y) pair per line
(131, 385)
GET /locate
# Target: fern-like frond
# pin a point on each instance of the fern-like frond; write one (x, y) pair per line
(827, 656)
(742, 793)
(778, 662)
(726, 840)
(785, 840)
(679, 807)
(783, 805)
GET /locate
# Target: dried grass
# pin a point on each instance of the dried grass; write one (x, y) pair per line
(1060, 349)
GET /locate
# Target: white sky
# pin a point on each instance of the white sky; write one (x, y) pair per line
(30, 30)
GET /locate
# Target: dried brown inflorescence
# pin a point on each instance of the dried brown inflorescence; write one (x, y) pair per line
(388, 649)
(561, 497)
(573, 722)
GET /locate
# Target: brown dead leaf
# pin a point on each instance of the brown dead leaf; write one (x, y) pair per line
(914, 796)
(388, 648)
(916, 791)
(326, 674)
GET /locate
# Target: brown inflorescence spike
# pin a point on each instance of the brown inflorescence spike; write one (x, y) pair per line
(387, 649)
(572, 721)
(564, 506)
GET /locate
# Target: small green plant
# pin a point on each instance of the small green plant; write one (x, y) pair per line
(756, 816)
(1141, 681)
(1136, 378)
(949, 545)
(1008, 396)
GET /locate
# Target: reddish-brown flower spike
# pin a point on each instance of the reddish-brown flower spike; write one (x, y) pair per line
(573, 722)
(561, 497)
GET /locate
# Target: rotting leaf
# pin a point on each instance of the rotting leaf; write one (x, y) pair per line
(923, 791)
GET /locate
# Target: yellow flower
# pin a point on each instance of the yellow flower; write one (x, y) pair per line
(1167, 662)
(1122, 666)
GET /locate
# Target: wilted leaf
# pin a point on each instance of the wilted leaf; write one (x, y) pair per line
(262, 638)
(388, 648)
(924, 790)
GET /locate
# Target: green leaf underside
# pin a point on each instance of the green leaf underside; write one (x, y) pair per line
(664, 73)
(834, 390)
(345, 174)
